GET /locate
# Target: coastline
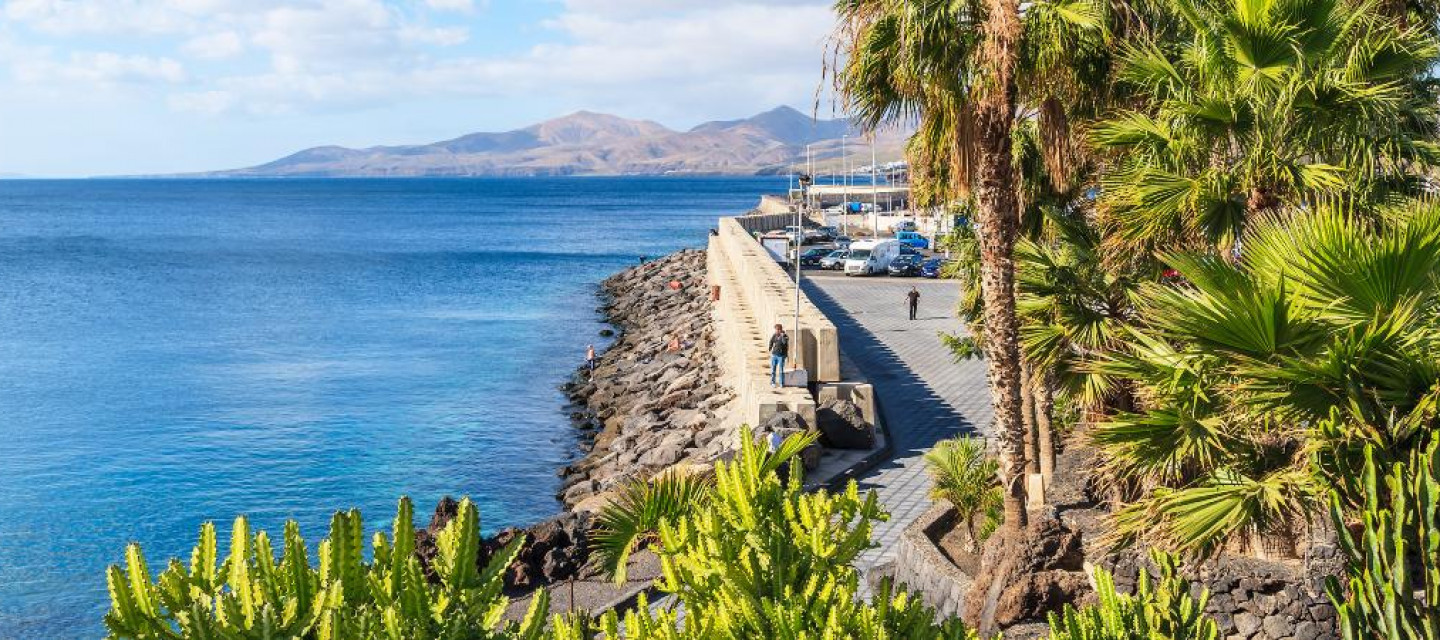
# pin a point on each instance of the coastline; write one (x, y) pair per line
(656, 400)
(649, 408)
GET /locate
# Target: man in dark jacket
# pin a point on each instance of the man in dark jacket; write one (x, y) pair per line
(914, 297)
(779, 347)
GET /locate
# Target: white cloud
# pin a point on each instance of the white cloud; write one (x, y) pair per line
(103, 69)
(658, 57)
(221, 45)
(461, 6)
(692, 53)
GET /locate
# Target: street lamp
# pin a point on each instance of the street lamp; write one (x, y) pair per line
(805, 181)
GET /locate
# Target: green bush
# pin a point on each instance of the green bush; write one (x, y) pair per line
(251, 595)
(1393, 586)
(965, 477)
(1165, 610)
(759, 558)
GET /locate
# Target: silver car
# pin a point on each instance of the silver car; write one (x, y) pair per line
(835, 261)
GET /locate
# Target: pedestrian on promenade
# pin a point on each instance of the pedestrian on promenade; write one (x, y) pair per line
(590, 359)
(779, 346)
(914, 297)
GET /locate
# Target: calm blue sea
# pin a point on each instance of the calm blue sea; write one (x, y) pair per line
(173, 352)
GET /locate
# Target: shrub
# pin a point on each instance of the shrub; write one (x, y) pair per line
(1393, 586)
(763, 559)
(1165, 610)
(965, 477)
(251, 595)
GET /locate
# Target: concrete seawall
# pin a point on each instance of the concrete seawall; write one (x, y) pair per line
(756, 293)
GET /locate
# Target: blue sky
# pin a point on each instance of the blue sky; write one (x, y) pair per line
(103, 87)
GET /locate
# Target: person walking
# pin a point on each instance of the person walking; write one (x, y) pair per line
(914, 297)
(590, 359)
(779, 347)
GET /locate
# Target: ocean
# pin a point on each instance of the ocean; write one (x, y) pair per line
(176, 351)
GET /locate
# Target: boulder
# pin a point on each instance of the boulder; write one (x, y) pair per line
(810, 456)
(843, 426)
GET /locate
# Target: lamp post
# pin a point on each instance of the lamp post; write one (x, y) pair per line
(799, 242)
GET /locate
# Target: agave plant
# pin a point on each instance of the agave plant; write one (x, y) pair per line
(1393, 584)
(249, 594)
(1265, 380)
(633, 520)
(1164, 610)
(968, 479)
(760, 558)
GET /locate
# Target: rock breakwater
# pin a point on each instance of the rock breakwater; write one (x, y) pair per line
(656, 398)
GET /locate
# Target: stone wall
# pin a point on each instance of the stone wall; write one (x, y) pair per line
(1250, 599)
(1253, 599)
(920, 565)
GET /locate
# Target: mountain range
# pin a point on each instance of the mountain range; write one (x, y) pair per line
(587, 143)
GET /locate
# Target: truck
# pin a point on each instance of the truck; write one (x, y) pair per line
(869, 257)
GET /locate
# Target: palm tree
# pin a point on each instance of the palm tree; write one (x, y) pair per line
(1264, 380)
(955, 68)
(969, 480)
(1247, 106)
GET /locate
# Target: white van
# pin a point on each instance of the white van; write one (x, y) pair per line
(871, 256)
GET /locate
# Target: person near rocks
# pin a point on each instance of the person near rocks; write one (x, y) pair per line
(779, 347)
(914, 298)
(590, 359)
(674, 345)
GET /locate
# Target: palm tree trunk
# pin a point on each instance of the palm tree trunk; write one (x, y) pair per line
(1044, 409)
(998, 221)
(1027, 415)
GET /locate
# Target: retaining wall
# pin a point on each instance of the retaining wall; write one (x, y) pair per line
(920, 565)
(1250, 599)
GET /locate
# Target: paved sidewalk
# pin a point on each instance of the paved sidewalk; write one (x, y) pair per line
(925, 396)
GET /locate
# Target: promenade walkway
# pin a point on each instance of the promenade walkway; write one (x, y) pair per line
(925, 396)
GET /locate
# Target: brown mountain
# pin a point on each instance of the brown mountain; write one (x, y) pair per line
(586, 143)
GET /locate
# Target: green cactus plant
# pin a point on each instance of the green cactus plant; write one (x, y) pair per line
(1164, 610)
(1392, 590)
(249, 595)
(760, 558)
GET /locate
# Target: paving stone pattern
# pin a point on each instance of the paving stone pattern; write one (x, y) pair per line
(924, 394)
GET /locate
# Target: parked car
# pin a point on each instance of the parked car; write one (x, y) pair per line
(842, 242)
(907, 250)
(905, 266)
(811, 257)
(835, 261)
(828, 233)
(868, 257)
(931, 268)
(912, 238)
(904, 225)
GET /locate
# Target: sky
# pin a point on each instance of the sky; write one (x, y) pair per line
(110, 87)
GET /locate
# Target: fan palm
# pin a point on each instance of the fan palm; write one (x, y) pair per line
(1251, 105)
(1263, 381)
(969, 480)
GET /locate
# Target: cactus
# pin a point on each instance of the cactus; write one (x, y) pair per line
(1392, 591)
(760, 558)
(250, 595)
(1165, 610)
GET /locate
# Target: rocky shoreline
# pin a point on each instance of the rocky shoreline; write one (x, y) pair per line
(656, 399)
